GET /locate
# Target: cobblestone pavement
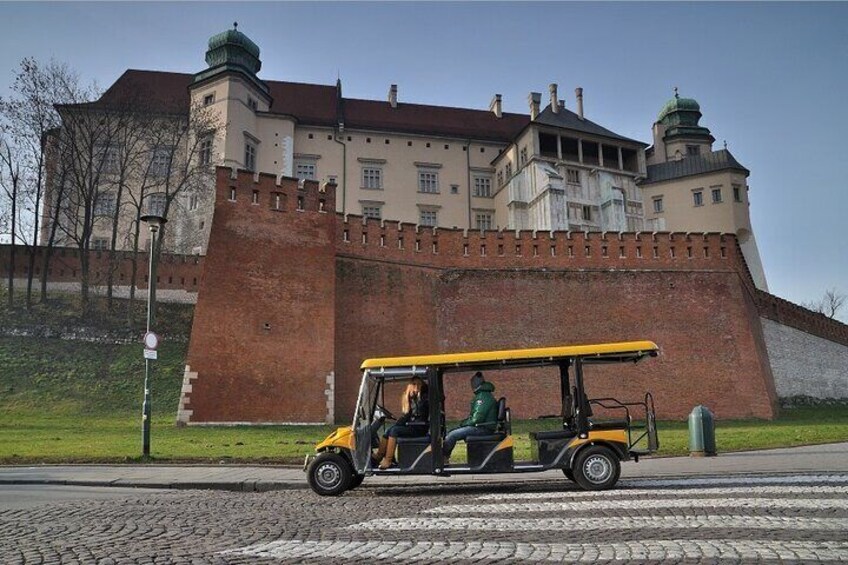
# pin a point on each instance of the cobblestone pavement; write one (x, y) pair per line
(776, 519)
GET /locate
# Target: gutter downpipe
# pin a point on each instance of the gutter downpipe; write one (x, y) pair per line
(339, 131)
(468, 175)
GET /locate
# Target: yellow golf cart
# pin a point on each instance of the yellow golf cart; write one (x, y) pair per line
(588, 450)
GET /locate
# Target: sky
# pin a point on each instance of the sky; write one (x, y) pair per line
(771, 79)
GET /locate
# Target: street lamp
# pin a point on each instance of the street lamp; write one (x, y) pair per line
(153, 221)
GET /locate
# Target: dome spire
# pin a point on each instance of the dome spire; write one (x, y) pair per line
(676, 95)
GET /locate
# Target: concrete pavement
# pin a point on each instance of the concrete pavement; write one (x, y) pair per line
(828, 458)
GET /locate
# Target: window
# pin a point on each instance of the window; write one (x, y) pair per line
(658, 205)
(209, 99)
(105, 204)
(249, 155)
(304, 170)
(111, 160)
(500, 178)
(428, 218)
(251, 103)
(428, 181)
(483, 220)
(572, 176)
(192, 202)
(100, 244)
(587, 213)
(372, 211)
(372, 178)
(483, 187)
(693, 150)
(737, 193)
(156, 204)
(454, 189)
(332, 179)
(161, 163)
(716, 192)
(206, 151)
(523, 156)
(699, 198)
(508, 171)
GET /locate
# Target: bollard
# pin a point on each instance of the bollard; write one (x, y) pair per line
(701, 432)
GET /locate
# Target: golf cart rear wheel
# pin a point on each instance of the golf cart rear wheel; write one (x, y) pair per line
(596, 468)
(329, 474)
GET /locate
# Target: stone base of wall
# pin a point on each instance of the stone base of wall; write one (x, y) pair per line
(168, 295)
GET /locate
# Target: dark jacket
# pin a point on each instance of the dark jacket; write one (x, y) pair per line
(484, 408)
(419, 411)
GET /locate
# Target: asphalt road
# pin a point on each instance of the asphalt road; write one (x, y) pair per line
(771, 519)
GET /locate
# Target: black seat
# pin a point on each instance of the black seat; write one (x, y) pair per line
(608, 425)
(555, 434)
(502, 426)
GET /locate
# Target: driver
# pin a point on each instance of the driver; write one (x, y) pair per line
(482, 420)
(413, 422)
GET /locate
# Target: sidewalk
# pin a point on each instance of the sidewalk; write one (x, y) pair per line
(829, 458)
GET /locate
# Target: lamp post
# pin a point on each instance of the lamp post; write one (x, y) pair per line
(153, 221)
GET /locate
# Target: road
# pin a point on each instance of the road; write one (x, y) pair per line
(772, 519)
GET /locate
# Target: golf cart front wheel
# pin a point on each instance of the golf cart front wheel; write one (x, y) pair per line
(329, 474)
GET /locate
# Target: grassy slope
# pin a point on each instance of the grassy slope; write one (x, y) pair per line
(80, 401)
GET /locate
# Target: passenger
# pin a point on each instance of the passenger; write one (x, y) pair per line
(483, 419)
(413, 422)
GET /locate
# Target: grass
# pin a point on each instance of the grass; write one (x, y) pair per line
(73, 401)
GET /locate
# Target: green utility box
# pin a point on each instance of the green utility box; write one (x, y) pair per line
(701, 432)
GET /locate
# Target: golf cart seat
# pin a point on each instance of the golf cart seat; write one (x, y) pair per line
(608, 425)
(420, 440)
(502, 428)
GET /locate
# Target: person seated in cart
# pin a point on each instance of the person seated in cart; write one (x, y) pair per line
(413, 423)
(482, 420)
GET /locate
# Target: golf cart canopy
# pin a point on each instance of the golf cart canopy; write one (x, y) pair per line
(621, 352)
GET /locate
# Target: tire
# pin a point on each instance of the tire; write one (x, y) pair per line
(329, 474)
(596, 468)
(355, 481)
(569, 474)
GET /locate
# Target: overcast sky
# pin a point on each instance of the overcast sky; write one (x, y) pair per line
(771, 79)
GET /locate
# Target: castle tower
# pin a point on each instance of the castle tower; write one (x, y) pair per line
(690, 187)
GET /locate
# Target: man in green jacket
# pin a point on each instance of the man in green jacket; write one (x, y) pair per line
(483, 418)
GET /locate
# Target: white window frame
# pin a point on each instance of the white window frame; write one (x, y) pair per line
(372, 211)
(428, 181)
(306, 170)
(105, 204)
(715, 195)
(484, 220)
(428, 217)
(156, 203)
(206, 146)
(372, 178)
(209, 99)
(572, 176)
(251, 151)
(161, 161)
(482, 186)
(99, 244)
(698, 198)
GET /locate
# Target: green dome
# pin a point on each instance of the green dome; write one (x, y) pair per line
(677, 104)
(233, 47)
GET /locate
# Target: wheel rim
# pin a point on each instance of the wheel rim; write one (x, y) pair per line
(328, 476)
(597, 469)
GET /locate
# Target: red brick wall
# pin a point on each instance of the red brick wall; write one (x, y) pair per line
(177, 272)
(265, 266)
(336, 292)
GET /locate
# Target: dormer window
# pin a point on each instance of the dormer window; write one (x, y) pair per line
(209, 99)
(693, 150)
(251, 103)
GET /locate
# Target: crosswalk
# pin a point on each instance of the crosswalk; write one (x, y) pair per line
(794, 518)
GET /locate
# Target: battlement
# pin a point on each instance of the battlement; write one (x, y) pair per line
(370, 238)
(790, 314)
(238, 187)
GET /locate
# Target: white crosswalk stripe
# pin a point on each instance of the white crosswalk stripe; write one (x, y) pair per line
(657, 549)
(750, 503)
(736, 480)
(419, 523)
(629, 493)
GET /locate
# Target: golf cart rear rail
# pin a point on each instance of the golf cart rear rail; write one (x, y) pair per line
(647, 441)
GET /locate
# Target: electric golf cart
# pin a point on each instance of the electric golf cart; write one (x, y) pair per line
(587, 450)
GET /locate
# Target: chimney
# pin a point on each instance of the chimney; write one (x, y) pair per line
(535, 100)
(496, 106)
(579, 92)
(393, 96)
(554, 99)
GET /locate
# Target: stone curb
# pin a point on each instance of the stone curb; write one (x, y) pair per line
(235, 486)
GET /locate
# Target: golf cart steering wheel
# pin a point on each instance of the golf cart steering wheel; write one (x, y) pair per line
(386, 414)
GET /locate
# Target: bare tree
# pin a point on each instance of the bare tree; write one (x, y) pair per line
(10, 180)
(830, 304)
(28, 116)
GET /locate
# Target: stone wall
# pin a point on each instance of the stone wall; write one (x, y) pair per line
(804, 364)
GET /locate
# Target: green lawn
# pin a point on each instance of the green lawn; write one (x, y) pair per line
(63, 401)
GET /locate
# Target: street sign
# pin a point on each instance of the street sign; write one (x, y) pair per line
(151, 341)
(150, 354)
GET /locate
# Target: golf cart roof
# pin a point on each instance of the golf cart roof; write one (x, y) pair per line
(610, 352)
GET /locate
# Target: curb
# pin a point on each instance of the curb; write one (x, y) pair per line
(244, 486)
